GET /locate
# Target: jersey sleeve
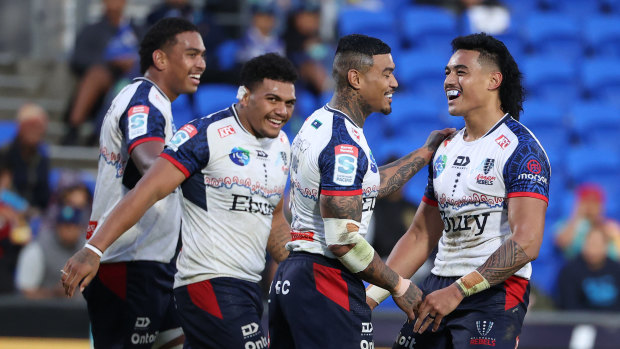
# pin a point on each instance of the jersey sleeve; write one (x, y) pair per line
(188, 150)
(342, 165)
(527, 171)
(429, 193)
(142, 123)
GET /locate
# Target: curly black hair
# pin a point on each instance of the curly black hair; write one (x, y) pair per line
(268, 66)
(511, 91)
(162, 33)
(355, 51)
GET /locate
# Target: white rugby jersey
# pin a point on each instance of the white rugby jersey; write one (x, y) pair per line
(139, 113)
(470, 183)
(234, 182)
(330, 156)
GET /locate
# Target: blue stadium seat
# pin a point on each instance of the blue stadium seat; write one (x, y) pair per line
(429, 28)
(554, 34)
(575, 8)
(377, 23)
(592, 163)
(214, 97)
(541, 114)
(8, 130)
(551, 78)
(227, 54)
(182, 110)
(601, 79)
(422, 72)
(596, 123)
(602, 35)
(413, 113)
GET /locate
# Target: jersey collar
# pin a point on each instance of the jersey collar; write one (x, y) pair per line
(341, 113)
(142, 78)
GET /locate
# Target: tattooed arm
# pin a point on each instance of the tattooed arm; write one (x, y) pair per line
(526, 217)
(395, 174)
(350, 207)
(280, 234)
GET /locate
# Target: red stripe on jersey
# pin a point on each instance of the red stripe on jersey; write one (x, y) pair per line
(302, 235)
(330, 283)
(114, 277)
(203, 296)
(515, 291)
(342, 192)
(528, 194)
(176, 164)
(430, 201)
(144, 140)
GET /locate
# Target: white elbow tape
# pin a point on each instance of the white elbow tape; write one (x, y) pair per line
(377, 293)
(359, 257)
(340, 231)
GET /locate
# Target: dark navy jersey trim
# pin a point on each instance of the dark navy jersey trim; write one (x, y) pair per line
(338, 112)
(152, 83)
(503, 120)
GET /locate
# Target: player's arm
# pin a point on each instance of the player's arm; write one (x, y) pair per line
(159, 181)
(412, 249)
(395, 174)
(526, 217)
(280, 234)
(341, 217)
(145, 154)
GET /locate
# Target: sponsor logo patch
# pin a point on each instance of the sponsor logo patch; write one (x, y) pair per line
(534, 166)
(461, 161)
(316, 124)
(439, 165)
(92, 225)
(240, 156)
(502, 141)
(183, 135)
(345, 164)
(226, 131)
(138, 120)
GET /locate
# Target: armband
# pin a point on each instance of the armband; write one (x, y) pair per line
(472, 283)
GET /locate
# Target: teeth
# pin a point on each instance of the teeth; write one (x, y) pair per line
(195, 76)
(278, 122)
(453, 93)
(389, 96)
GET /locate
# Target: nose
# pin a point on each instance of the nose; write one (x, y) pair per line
(280, 108)
(202, 63)
(449, 81)
(393, 83)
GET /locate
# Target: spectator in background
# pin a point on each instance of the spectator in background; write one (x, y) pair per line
(306, 49)
(260, 37)
(40, 261)
(104, 52)
(591, 281)
(489, 16)
(588, 212)
(26, 157)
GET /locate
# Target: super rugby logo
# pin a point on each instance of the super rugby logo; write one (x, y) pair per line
(183, 135)
(346, 164)
(240, 156)
(137, 117)
(439, 165)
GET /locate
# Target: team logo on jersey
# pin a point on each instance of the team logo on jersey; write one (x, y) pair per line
(534, 166)
(138, 117)
(502, 141)
(183, 135)
(226, 131)
(439, 165)
(346, 164)
(373, 163)
(316, 124)
(484, 328)
(240, 156)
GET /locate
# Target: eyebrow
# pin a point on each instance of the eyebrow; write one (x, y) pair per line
(458, 66)
(278, 97)
(388, 70)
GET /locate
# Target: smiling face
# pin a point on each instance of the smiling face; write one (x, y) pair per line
(378, 83)
(267, 107)
(184, 63)
(469, 84)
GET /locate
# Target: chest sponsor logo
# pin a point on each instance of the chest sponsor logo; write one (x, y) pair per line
(245, 203)
(484, 329)
(533, 178)
(316, 124)
(261, 154)
(461, 161)
(240, 156)
(502, 141)
(439, 165)
(138, 120)
(345, 164)
(226, 131)
(183, 135)
(485, 180)
(465, 223)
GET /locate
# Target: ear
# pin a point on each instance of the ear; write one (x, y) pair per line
(245, 100)
(495, 80)
(355, 79)
(160, 60)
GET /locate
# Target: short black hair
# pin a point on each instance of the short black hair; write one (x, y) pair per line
(162, 33)
(356, 51)
(268, 66)
(511, 91)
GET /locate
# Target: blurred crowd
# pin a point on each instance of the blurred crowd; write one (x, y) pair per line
(44, 212)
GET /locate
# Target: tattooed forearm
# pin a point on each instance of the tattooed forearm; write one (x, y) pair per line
(394, 175)
(348, 207)
(504, 262)
(377, 273)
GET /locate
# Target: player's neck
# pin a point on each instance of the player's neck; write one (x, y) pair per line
(479, 122)
(158, 80)
(350, 102)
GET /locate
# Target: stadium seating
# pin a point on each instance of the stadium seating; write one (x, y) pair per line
(183, 110)
(601, 79)
(553, 34)
(429, 28)
(378, 23)
(596, 123)
(602, 35)
(8, 130)
(213, 97)
(421, 72)
(551, 78)
(227, 54)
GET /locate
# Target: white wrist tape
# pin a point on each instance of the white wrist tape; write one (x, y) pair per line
(359, 257)
(473, 283)
(241, 91)
(94, 249)
(377, 293)
(340, 231)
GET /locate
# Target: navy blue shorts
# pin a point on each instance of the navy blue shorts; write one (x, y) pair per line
(221, 313)
(491, 318)
(315, 302)
(130, 303)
